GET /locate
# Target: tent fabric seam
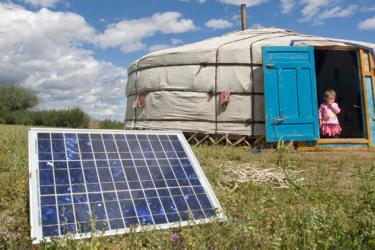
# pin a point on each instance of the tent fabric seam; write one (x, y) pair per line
(234, 41)
(202, 92)
(136, 92)
(251, 62)
(216, 72)
(203, 64)
(248, 121)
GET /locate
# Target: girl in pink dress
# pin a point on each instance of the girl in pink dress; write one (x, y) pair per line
(329, 124)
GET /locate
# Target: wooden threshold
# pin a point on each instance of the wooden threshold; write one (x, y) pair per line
(339, 144)
(344, 141)
(339, 149)
(349, 149)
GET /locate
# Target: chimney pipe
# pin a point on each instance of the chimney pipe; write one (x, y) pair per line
(243, 16)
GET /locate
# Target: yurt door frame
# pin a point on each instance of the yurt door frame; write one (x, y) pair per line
(291, 98)
(366, 81)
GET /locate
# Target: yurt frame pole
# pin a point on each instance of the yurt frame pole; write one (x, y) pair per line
(216, 73)
(367, 74)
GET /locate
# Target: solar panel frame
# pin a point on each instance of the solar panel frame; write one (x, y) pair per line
(34, 180)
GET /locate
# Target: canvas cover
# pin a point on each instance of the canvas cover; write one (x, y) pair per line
(182, 85)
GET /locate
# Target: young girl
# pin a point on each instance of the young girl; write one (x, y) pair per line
(329, 124)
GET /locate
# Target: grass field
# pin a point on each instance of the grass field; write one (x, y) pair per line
(332, 208)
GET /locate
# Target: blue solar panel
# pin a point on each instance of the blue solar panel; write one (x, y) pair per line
(112, 181)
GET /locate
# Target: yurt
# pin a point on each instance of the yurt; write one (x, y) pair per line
(257, 83)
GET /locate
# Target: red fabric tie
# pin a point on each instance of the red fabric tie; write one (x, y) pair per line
(140, 100)
(224, 98)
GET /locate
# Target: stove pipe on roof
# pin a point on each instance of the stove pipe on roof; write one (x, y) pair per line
(243, 16)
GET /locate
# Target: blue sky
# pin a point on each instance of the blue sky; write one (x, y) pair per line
(75, 53)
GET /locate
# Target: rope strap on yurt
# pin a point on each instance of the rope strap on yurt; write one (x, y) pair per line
(216, 71)
(247, 121)
(193, 91)
(139, 100)
(215, 93)
(206, 64)
(136, 92)
(251, 119)
(201, 64)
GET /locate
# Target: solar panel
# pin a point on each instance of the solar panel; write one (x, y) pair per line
(89, 181)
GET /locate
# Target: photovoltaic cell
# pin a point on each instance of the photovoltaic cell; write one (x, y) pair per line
(114, 180)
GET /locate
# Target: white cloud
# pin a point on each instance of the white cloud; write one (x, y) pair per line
(316, 11)
(368, 24)
(247, 2)
(236, 17)
(312, 8)
(218, 24)
(129, 34)
(44, 50)
(42, 3)
(109, 112)
(157, 47)
(257, 26)
(174, 42)
(287, 6)
(368, 8)
(41, 51)
(338, 11)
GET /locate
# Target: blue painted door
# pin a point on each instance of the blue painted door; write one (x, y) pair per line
(291, 103)
(371, 107)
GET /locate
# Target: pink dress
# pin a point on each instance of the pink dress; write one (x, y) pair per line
(329, 124)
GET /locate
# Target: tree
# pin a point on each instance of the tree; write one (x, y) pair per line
(14, 98)
(15, 102)
(109, 124)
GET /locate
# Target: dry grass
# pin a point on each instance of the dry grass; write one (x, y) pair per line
(233, 174)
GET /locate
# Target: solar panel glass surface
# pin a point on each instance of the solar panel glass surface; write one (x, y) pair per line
(83, 181)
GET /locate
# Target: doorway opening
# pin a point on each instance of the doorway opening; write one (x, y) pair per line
(339, 70)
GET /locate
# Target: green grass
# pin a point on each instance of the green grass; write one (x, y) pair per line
(334, 208)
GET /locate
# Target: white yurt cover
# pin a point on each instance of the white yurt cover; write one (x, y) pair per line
(181, 86)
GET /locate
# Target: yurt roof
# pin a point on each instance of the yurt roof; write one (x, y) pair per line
(240, 47)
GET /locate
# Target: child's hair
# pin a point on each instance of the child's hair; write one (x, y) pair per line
(329, 94)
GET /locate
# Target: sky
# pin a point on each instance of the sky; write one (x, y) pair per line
(76, 53)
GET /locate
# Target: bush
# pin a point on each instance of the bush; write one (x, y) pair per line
(16, 98)
(69, 118)
(20, 117)
(15, 102)
(109, 124)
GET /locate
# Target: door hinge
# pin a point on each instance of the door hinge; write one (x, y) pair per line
(278, 120)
